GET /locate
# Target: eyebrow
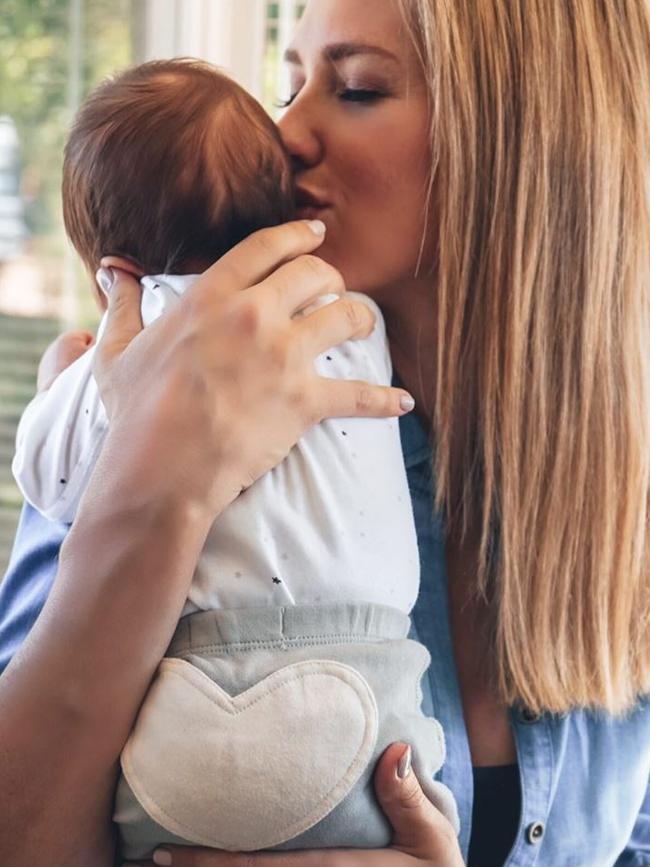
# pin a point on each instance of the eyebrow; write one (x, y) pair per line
(341, 51)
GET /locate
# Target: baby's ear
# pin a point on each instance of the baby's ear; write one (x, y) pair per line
(124, 265)
(115, 262)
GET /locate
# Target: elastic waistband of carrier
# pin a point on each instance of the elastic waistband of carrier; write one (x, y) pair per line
(304, 624)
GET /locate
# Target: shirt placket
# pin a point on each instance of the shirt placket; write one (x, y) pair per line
(534, 741)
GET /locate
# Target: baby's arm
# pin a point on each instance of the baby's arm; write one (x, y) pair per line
(61, 431)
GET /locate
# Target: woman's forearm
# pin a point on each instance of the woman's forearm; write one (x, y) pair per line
(69, 698)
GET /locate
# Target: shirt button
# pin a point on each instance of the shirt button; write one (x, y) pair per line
(534, 833)
(528, 716)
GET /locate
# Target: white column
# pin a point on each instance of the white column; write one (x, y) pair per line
(228, 33)
(286, 26)
(247, 43)
(286, 23)
(159, 37)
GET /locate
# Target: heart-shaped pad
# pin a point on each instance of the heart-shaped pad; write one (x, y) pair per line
(255, 770)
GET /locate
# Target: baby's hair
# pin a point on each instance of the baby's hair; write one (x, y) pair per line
(170, 164)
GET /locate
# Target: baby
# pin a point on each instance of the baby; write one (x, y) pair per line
(290, 671)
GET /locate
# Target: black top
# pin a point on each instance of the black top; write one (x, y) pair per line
(495, 815)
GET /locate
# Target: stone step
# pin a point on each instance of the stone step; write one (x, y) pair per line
(9, 515)
(30, 324)
(25, 352)
(12, 389)
(7, 445)
(21, 368)
(12, 405)
(6, 476)
(9, 493)
(9, 519)
(8, 527)
(7, 533)
(22, 343)
(6, 451)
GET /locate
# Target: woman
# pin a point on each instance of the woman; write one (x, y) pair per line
(482, 170)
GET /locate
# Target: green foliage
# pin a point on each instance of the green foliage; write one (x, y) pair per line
(35, 79)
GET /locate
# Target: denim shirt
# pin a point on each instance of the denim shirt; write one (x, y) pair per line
(584, 776)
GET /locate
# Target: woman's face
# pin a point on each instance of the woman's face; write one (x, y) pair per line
(357, 128)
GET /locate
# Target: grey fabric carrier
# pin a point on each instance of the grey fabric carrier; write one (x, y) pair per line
(263, 727)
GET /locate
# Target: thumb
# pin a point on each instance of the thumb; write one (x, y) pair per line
(123, 318)
(420, 830)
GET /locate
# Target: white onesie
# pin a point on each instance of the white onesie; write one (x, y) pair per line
(332, 523)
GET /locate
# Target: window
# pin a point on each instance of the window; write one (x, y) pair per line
(280, 21)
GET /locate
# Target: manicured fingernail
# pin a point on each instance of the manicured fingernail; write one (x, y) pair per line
(318, 227)
(162, 857)
(404, 764)
(105, 278)
(406, 402)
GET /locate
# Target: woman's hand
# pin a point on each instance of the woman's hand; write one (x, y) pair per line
(422, 835)
(61, 353)
(220, 388)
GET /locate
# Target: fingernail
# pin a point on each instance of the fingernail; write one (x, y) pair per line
(105, 278)
(163, 857)
(406, 402)
(318, 227)
(404, 764)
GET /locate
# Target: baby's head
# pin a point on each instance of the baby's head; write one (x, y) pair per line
(169, 165)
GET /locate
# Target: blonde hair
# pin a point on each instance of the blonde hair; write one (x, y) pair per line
(540, 132)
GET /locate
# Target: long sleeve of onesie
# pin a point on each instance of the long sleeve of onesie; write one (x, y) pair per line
(62, 430)
(59, 437)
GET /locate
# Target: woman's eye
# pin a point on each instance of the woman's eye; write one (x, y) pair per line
(348, 94)
(284, 103)
(360, 95)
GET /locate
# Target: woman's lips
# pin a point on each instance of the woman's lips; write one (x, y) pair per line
(309, 205)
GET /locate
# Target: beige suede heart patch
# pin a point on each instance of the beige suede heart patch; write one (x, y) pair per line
(256, 770)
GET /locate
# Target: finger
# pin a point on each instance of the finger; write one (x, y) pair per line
(349, 398)
(123, 317)
(420, 830)
(301, 282)
(345, 319)
(254, 258)
(179, 856)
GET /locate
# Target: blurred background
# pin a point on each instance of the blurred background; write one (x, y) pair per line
(52, 53)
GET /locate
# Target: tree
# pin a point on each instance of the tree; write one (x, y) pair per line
(35, 83)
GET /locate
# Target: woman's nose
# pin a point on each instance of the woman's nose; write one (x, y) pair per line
(300, 137)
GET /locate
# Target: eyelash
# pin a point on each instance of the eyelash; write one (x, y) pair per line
(360, 94)
(284, 103)
(349, 94)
